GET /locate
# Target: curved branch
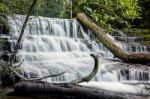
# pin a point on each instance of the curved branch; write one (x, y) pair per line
(92, 74)
(95, 70)
(16, 66)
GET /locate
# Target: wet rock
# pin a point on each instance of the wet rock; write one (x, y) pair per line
(148, 48)
(3, 30)
(125, 73)
(5, 57)
(8, 46)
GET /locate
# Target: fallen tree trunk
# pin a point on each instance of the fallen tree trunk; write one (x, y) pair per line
(62, 91)
(141, 58)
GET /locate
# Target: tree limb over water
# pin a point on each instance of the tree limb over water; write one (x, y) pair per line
(141, 58)
(34, 79)
(84, 79)
(92, 74)
(9, 66)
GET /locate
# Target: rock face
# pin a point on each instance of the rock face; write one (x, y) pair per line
(7, 44)
(3, 30)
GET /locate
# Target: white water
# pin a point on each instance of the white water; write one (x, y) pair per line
(129, 45)
(117, 87)
(51, 46)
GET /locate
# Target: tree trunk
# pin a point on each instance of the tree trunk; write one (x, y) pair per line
(63, 91)
(22, 31)
(141, 58)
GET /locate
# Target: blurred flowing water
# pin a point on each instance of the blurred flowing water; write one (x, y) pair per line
(51, 46)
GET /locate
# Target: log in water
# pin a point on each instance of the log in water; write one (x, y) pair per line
(63, 91)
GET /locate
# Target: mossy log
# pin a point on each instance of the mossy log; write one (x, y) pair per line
(141, 58)
(61, 91)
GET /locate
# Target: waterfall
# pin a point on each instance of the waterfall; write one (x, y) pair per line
(129, 43)
(51, 46)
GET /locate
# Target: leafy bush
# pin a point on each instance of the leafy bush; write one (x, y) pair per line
(109, 13)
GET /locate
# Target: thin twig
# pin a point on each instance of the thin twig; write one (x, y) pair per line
(33, 79)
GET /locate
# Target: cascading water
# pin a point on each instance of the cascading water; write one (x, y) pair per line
(129, 44)
(51, 46)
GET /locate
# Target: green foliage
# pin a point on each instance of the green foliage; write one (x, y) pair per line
(20, 6)
(11, 7)
(4, 9)
(51, 8)
(145, 20)
(108, 13)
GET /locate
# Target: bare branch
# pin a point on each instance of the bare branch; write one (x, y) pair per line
(17, 74)
(38, 79)
(33, 79)
(16, 66)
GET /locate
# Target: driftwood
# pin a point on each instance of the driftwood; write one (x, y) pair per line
(67, 90)
(61, 91)
(85, 79)
(34, 79)
(141, 58)
(12, 68)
